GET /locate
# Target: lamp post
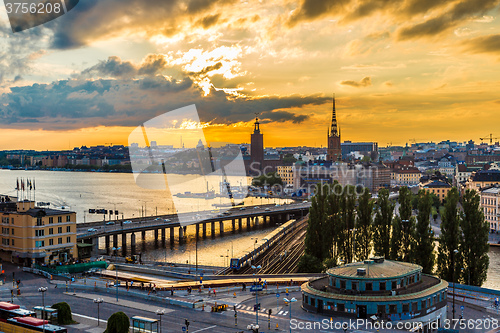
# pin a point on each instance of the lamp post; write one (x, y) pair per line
(43, 290)
(116, 249)
(160, 313)
(256, 239)
(290, 301)
(256, 294)
(455, 252)
(98, 301)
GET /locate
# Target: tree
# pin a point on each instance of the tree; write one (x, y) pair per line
(345, 228)
(118, 323)
(382, 224)
(64, 316)
(364, 221)
(448, 261)
(474, 243)
(315, 241)
(332, 221)
(424, 253)
(288, 158)
(403, 228)
(269, 179)
(309, 264)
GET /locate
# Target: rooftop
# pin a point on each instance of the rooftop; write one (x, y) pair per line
(375, 269)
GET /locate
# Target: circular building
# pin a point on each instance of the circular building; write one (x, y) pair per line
(388, 290)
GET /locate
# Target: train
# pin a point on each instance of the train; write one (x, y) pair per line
(261, 246)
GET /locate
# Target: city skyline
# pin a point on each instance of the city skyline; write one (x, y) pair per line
(422, 70)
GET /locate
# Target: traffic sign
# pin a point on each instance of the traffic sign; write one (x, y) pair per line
(277, 295)
(462, 307)
(184, 328)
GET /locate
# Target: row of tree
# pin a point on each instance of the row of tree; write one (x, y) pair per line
(346, 225)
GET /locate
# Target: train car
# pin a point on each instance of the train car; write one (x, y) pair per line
(36, 324)
(9, 310)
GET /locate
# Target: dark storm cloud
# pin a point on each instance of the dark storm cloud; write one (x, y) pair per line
(208, 21)
(71, 104)
(483, 44)
(96, 19)
(153, 64)
(117, 68)
(365, 82)
(312, 9)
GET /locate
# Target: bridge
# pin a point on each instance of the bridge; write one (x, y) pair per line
(91, 232)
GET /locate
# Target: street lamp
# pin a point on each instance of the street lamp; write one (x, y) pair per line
(290, 301)
(453, 263)
(256, 239)
(43, 290)
(160, 313)
(98, 301)
(116, 249)
(256, 294)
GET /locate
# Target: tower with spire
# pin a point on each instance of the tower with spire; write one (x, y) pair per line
(257, 146)
(334, 151)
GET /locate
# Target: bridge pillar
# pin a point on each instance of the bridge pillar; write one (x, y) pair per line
(197, 227)
(156, 237)
(213, 229)
(240, 224)
(221, 227)
(172, 235)
(107, 241)
(248, 223)
(143, 236)
(256, 222)
(95, 246)
(124, 243)
(233, 222)
(181, 234)
(163, 237)
(132, 243)
(115, 241)
(204, 230)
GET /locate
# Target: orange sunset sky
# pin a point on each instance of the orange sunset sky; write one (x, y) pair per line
(405, 69)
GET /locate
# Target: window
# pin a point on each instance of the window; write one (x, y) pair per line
(368, 286)
(406, 307)
(12, 242)
(39, 233)
(39, 221)
(340, 307)
(423, 304)
(51, 241)
(68, 228)
(342, 284)
(59, 219)
(51, 220)
(68, 239)
(354, 285)
(51, 231)
(59, 230)
(39, 243)
(313, 301)
(380, 309)
(382, 285)
(393, 308)
(59, 240)
(12, 220)
(12, 231)
(414, 306)
(394, 284)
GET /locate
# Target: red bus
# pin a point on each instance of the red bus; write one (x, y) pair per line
(9, 310)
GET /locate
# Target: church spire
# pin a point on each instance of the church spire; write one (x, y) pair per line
(334, 130)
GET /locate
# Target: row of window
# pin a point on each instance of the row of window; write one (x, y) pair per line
(40, 233)
(39, 220)
(369, 286)
(51, 241)
(381, 308)
(6, 231)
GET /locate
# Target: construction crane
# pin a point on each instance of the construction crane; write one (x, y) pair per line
(490, 137)
(110, 144)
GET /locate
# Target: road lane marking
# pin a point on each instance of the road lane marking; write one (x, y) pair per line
(204, 329)
(87, 317)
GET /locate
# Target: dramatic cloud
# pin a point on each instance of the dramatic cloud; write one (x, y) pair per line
(116, 68)
(483, 44)
(365, 82)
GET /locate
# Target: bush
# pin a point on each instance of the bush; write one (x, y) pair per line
(64, 316)
(118, 323)
(310, 264)
(329, 263)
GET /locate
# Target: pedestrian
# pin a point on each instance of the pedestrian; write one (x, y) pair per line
(172, 291)
(215, 294)
(154, 289)
(209, 291)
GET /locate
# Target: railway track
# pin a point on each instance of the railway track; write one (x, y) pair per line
(282, 257)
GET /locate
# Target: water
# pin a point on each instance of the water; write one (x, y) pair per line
(80, 191)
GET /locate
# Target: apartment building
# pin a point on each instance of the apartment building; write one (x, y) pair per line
(490, 201)
(36, 235)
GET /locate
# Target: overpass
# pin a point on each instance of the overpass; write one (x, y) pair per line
(253, 215)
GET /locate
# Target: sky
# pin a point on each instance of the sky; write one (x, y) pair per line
(401, 70)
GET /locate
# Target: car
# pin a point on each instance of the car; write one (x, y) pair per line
(110, 223)
(227, 213)
(242, 208)
(157, 219)
(167, 220)
(267, 209)
(256, 207)
(127, 222)
(278, 205)
(91, 229)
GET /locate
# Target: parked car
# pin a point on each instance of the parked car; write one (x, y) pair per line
(127, 222)
(91, 229)
(267, 209)
(110, 223)
(242, 208)
(167, 220)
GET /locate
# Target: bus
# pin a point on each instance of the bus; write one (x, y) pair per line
(9, 310)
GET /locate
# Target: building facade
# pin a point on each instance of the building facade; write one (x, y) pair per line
(388, 290)
(285, 172)
(490, 201)
(406, 176)
(437, 187)
(482, 179)
(36, 235)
